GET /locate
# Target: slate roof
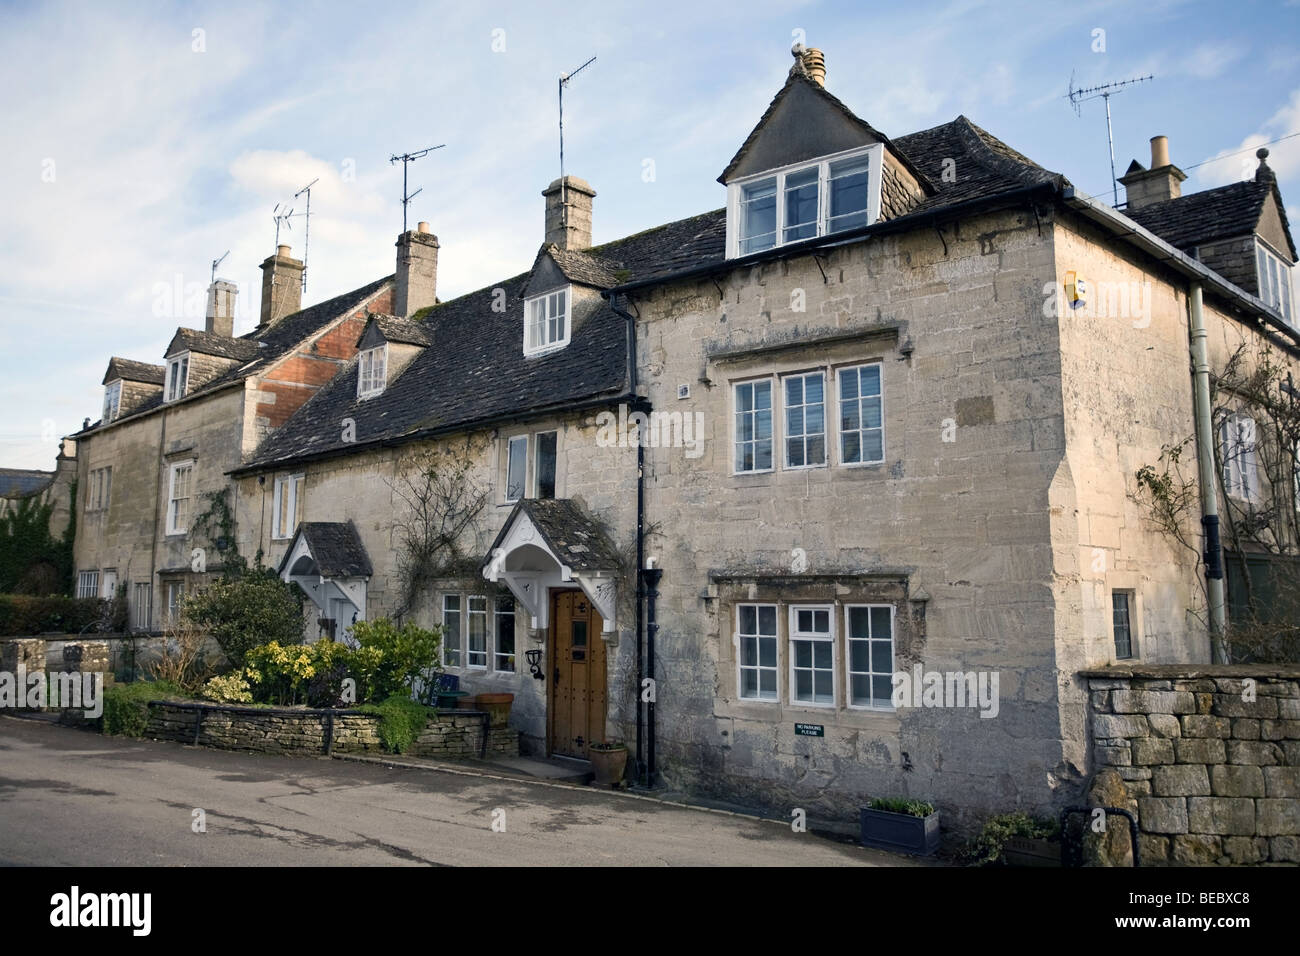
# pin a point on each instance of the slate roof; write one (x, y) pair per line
(23, 482)
(586, 268)
(275, 342)
(482, 375)
(131, 371)
(404, 331)
(575, 538)
(210, 343)
(335, 547)
(798, 77)
(1209, 215)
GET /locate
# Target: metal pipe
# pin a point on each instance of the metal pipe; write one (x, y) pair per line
(652, 577)
(1207, 474)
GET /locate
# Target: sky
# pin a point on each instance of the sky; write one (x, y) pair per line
(144, 140)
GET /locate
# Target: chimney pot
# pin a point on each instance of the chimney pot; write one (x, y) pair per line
(815, 63)
(282, 251)
(422, 227)
(1159, 151)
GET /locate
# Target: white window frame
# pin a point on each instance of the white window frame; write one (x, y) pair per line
(545, 343)
(785, 420)
(173, 468)
(497, 655)
(112, 400)
(1239, 448)
(523, 481)
(775, 438)
(142, 606)
(839, 431)
(175, 596)
(1274, 277)
(99, 488)
(794, 634)
(458, 647)
(470, 614)
(295, 485)
(88, 584)
(875, 153)
(178, 385)
(738, 639)
(372, 371)
(107, 592)
(849, 672)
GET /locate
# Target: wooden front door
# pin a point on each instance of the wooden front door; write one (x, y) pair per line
(577, 684)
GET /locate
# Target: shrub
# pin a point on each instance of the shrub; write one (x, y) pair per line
(248, 610)
(126, 706)
(986, 849)
(279, 672)
(407, 653)
(400, 721)
(22, 615)
(230, 689)
(182, 661)
(332, 664)
(914, 808)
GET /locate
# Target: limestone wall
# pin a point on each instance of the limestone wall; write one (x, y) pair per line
(1209, 756)
(292, 730)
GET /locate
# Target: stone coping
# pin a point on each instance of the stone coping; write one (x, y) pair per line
(1193, 671)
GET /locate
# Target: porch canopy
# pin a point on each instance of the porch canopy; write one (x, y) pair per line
(554, 543)
(328, 561)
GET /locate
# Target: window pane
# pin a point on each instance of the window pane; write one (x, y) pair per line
(803, 685)
(758, 217)
(859, 658)
(882, 691)
(767, 652)
(848, 192)
(748, 617)
(767, 683)
(767, 620)
(803, 653)
(821, 654)
(517, 466)
(546, 465)
(749, 683)
(801, 205)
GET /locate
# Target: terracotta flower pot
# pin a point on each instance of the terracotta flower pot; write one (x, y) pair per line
(608, 765)
(498, 705)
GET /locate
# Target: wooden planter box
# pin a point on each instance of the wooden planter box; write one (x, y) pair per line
(1024, 851)
(900, 832)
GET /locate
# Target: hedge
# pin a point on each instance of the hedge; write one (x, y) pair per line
(25, 616)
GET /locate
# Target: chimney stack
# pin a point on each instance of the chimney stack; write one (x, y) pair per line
(281, 286)
(568, 213)
(1162, 181)
(221, 307)
(417, 271)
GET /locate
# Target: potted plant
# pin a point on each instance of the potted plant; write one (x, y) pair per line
(608, 760)
(498, 705)
(901, 825)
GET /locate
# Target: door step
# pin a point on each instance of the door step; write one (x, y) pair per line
(562, 769)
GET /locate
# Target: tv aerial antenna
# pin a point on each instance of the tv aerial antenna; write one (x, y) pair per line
(406, 159)
(281, 219)
(564, 81)
(1105, 91)
(306, 238)
(217, 262)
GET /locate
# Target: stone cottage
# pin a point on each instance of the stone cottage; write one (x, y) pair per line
(721, 489)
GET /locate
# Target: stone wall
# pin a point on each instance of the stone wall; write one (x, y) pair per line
(296, 730)
(1209, 756)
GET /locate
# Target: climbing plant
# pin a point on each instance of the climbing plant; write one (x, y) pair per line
(33, 561)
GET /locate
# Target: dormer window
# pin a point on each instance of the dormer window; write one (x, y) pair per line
(804, 201)
(372, 371)
(178, 376)
(1274, 281)
(546, 322)
(112, 400)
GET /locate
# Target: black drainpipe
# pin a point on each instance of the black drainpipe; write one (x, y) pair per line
(641, 514)
(651, 576)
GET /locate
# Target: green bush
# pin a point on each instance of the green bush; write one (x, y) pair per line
(246, 610)
(21, 615)
(230, 689)
(405, 654)
(279, 672)
(400, 721)
(126, 706)
(986, 849)
(914, 808)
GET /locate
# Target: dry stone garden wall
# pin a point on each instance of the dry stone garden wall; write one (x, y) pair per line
(1209, 758)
